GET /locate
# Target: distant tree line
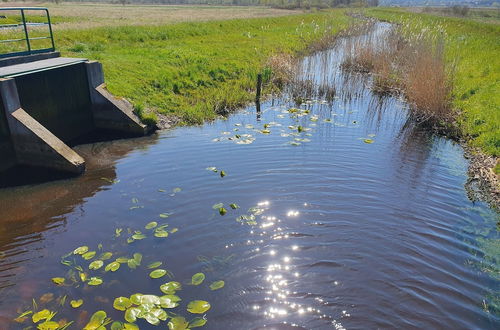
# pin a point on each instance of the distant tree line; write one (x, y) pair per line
(271, 3)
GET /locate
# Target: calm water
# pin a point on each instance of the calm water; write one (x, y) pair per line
(347, 234)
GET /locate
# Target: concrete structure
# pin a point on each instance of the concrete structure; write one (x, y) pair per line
(48, 103)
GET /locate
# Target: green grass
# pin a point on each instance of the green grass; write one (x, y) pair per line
(475, 47)
(193, 70)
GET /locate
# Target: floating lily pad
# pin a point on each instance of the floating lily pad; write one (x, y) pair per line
(157, 273)
(58, 280)
(234, 206)
(178, 323)
(76, 303)
(169, 301)
(95, 281)
(164, 215)
(136, 298)
(198, 306)
(197, 322)
(368, 141)
(222, 174)
(170, 287)
(114, 266)
(151, 225)
(155, 264)
(217, 285)
(197, 278)
(138, 236)
(81, 250)
(122, 303)
(41, 315)
(98, 321)
(48, 325)
(106, 256)
(222, 211)
(88, 255)
(131, 314)
(217, 206)
(161, 233)
(96, 264)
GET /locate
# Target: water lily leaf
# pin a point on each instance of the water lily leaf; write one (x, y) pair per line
(265, 131)
(131, 314)
(169, 301)
(138, 258)
(122, 260)
(95, 281)
(155, 264)
(81, 250)
(150, 299)
(106, 256)
(212, 168)
(83, 276)
(157, 273)
(222, 174)
(197, 278)
(151, 225)
(76, 303)
(41, 315)
(198, 306)
(138, 236)
(97, 321)
(118, 232)
(197, 322)
(234, 206)
(88, 255)
(176, 190)
(48, 325)
(160, 314)
(222, 211)
(113, 266)
(164, 215)
(178, 323)
(130, 326)
(136, 299)
(161, 233)
(96, 264)
(132, 264)
(170, 287)
(117, 326)
(151, 319)
(217, 206)
(58, 280)
(217, 285)
(174, 230)
(368, 141)
(122, 303)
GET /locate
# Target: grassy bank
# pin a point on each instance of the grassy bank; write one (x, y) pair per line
(472, 48)
(194, 70)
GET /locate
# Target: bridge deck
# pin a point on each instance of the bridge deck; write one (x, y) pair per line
(42, 65)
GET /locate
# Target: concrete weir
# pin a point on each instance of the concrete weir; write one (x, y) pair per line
(48, 103)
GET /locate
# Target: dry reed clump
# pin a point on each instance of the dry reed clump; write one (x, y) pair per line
(283, 68)
(408, 63)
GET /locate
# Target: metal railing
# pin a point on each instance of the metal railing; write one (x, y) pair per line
(24, 24)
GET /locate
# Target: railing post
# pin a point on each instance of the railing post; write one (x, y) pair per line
(50, 30)
(26, 31)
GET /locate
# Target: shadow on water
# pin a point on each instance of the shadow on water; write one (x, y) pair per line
(344, 215)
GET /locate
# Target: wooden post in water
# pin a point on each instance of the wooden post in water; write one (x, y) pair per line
(257, 94)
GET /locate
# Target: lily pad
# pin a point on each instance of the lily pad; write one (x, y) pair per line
(151, 225)
(122, 303)
(197, 322)
(217, 206)
(41, 315)
(76, 303)
(197, 278)
(178, 323)
(198, 306)
(369, 141)
(234, 206)
(157, 273)
(98, 321)
(113, 266)
(138, 236)
(131, 314)
(169, 301)
(81, 250)
(222, 174)
(222, 211)
(106, 256)
(58, 280)
(161, 233)
(155, 264)
(217, 285)
(88, 255)
(95, 281)
(96, 264)
(170, 287)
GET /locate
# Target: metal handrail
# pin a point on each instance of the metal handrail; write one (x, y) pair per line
(29, 50)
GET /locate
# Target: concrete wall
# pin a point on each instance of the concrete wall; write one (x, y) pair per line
(7, 155)
(59, 100)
